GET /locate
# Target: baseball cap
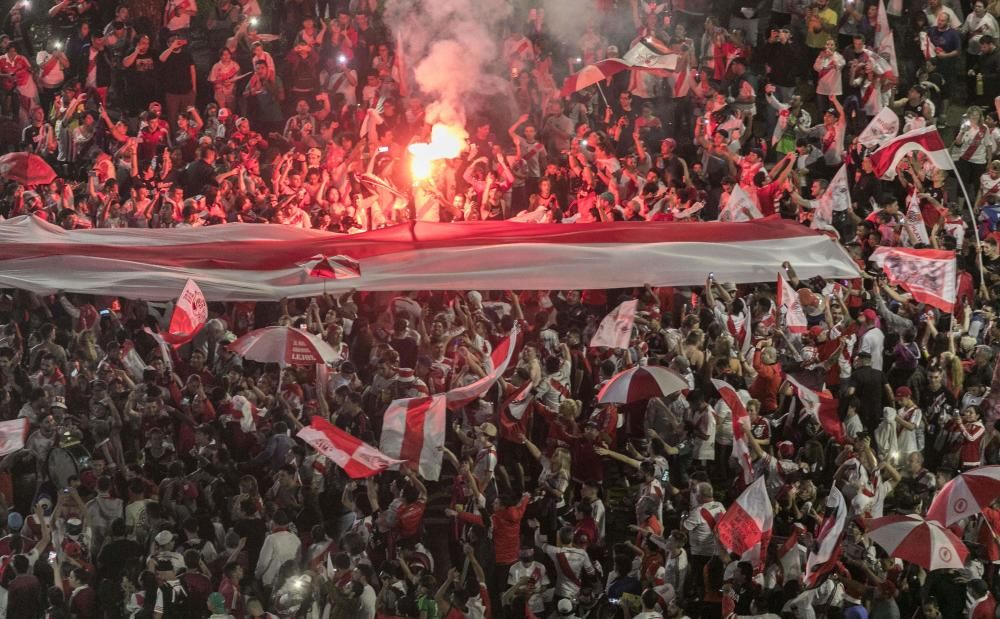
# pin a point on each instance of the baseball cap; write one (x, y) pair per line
(223, 113)
(488, 429)
(58, 402)
(405, 375)
(607, 196)
(903, 391)
(869, 315)
(564, 607)
(15, 521)
(163, 538)
(74, 527)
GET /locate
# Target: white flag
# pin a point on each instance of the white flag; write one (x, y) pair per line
(915, 227)
(788, 300)
(837, 197)
(883, 126)
(189, 315)
(885, 47)
(12, 435)
(615, 330)
(740, 207)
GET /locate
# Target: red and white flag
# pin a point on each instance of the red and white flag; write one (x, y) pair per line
(837, 197)
(502, 357)
(930, 275)
(748, 522)
(332, 267)
(823, 557)
(13, 434)
(916, 229)
(741, 445)
(413, 430)
(515, 413)
(646, 54)
(791, 307)
(740, 207)
(358, 459)
(190, 314)
(883, 126)
(615, 330)
(885, 47)
(927, 46)
(926, 139)
(821, 406)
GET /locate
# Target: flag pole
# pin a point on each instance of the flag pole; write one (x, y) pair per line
(972, 213)
(601, 90)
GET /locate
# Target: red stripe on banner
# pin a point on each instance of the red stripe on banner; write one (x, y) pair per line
(413, 430)
(205, 248)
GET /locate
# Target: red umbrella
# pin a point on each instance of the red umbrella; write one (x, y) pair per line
(641, 383)
(284, 345)
(26, 168)
(922, 542)
(966, 495)
(332, 267)
(592, 74)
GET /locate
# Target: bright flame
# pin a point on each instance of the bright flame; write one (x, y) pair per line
(447, 142)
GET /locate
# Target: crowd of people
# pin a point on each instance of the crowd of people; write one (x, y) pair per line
(171, 484)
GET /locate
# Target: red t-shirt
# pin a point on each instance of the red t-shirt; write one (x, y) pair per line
(410, 516)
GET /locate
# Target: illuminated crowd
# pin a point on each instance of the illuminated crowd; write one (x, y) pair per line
(167, 488)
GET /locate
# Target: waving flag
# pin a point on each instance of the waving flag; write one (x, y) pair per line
(788, 300)
(740, 207)
(824, 556)
(515, 413)
(883, 126)
(929, 275)
(615, 330)
(926, 139)
(822, 407)
(915, 228)
(13, 433)
(884, 44)
(746, 525)
(332, 267)
(413, 430)
(502, 357)
(358, 459)
(741, 445)
(648, 54)
(837, 197)
(190, 314)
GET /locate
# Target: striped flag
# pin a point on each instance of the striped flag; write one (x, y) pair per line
(822, 406)
(926, 139)
(648, 54)
(413, 430)
(824, 556)
(358, 459)
(190, 313)
(885, 46)
(741, 446)
(914, 220)
(515, 413)
(502, 357)
(746, 526)
(788, 300)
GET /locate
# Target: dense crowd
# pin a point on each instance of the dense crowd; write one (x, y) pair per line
(174, 486)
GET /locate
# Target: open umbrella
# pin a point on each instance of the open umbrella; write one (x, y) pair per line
(966, 495)
(284, 345)
(641, 383)
(922, 542)
(332, 267)
(26, 168)
(592, 74)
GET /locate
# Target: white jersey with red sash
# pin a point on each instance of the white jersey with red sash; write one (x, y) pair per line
(829, 66)
(973, 143)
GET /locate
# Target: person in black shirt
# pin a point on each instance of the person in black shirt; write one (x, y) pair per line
(178, 77)
(200, 173)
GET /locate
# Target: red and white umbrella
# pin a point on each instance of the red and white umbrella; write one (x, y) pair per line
(26, 168)
(966, 495)
(641, 383)
(592, 74)
(922, 542)
(284, 345)
(332, 267)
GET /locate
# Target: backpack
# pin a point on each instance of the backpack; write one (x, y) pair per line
(174, 601)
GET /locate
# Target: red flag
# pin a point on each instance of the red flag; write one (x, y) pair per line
(413, 430)
(823, 407)
(926, 139)
(190, 314)
(515, 413)
(930, 275)
(788, 299)
(741, 446)
(502, 357)
(824, 556)
(748, 521)
(358, 459)
(332, 267)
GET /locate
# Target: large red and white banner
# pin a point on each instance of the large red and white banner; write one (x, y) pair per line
(358, 459)
(926, 140)
(260, 262)
(930, 275)
(413, 430)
